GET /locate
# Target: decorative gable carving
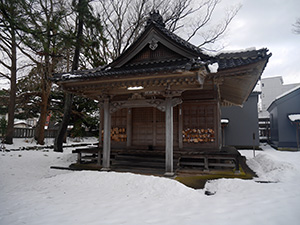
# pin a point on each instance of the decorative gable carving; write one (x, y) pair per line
(152, 53)
(152, 39)
(153, 44)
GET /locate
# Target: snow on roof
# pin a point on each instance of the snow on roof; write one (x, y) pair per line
(224, 120)
(294, 117)
(56, 100)
(20, 122)
(213, 54)
(68, 75)
(239, 51)
(213, 68)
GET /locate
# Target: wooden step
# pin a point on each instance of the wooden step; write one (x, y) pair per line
(140, 158)
(137, 164)
(208, 161)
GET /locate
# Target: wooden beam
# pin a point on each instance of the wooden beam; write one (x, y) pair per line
(115, 87)
(133, 80)
(141, 103)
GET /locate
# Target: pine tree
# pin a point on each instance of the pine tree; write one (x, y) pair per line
(86, 23)
(45, 38)
(9, 19)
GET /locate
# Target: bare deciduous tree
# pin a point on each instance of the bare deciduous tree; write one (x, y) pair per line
(296, 26)
(123, 21)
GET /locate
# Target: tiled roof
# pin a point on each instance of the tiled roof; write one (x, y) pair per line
(134, 69)
(225, 60)
(156, 20)
(230, 60)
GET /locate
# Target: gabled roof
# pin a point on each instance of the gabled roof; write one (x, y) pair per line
(159, 51)
(155, 32)
(155, 36)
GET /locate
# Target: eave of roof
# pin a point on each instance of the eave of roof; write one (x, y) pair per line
(241, 78)
(231, 60)
(225, 62)
(136, 69)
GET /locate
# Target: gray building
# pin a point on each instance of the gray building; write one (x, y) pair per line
(242, 123)
(270, 89)
(283, 130)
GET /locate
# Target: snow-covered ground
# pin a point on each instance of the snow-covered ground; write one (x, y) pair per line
(32, 193)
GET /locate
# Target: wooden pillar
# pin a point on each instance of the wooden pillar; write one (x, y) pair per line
(180, 127)
(169, 137)
(100, 125)
(100, 144)
(129, 128)
(218, 131)
(154, 127)
(219, 128)
(106, 136)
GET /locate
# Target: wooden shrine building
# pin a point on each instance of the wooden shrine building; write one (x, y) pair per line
(161, 93)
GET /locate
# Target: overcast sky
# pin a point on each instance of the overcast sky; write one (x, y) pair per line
(265, 24)
(268, 24)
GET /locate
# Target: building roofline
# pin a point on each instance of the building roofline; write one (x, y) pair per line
(278, 100)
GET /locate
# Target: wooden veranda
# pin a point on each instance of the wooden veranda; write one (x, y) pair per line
(150, 161)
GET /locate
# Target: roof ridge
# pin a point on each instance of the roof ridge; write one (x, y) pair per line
(243, 53)
(155, 18)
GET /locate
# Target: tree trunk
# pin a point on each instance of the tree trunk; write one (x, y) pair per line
(46, 90)
(36, 130)
(13, 89)
(58, 143)
(59, 139)
(40, 132)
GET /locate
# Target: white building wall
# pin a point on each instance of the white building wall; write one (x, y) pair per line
(270, 89)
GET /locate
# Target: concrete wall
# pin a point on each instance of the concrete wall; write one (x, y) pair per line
(283, 131)
(243, 122)
(274, 126)
(271, 88)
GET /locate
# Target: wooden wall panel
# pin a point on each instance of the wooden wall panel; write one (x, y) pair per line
(148, 127)
(142, 128)
(118, 126)
(199, 124)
